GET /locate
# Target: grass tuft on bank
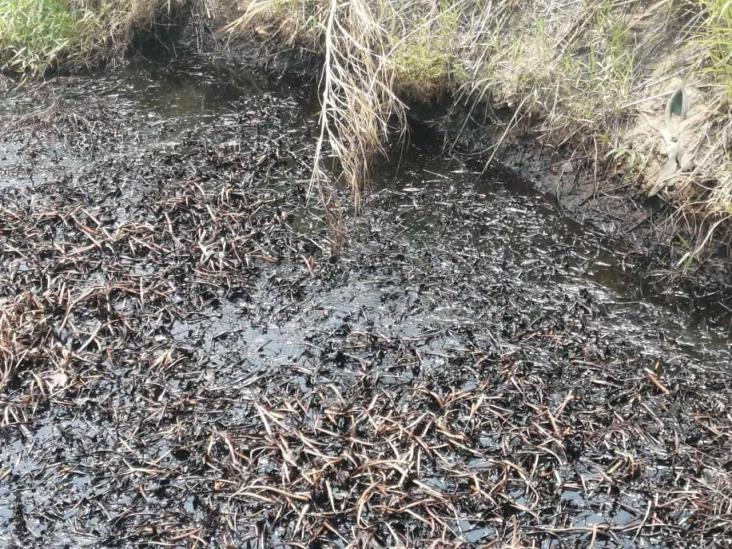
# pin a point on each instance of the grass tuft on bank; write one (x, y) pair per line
(717, 37)
(34, 34)
(595, 75)
(41, 35)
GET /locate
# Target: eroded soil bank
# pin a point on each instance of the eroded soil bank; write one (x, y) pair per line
(184, 365)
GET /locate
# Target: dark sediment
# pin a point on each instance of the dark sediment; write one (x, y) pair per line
(182, 363)
(654, 234)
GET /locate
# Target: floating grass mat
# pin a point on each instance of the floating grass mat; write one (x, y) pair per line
(181, 363)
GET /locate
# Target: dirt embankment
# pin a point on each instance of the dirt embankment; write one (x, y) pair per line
(598, 195)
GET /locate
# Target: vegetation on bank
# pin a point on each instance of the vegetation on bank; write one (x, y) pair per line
(36, 33)
(39, 35)
(717, 37)
(595, 74)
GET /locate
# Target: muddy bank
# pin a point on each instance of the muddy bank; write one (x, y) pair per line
(653, 234)
(591, 192)
(183, 364)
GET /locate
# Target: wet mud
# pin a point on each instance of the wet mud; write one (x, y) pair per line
(183, 365)
(653, 235)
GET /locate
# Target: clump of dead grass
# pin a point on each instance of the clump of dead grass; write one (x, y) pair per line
(357, 100)
(359, 104)
(27, 343)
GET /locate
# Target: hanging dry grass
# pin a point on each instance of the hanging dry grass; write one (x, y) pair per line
(357, 96)
(359, 105)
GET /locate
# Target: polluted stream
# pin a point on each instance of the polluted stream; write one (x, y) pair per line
(184, 365)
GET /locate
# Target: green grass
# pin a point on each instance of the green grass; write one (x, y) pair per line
(36, 35)
(717, 37)
(424, 59)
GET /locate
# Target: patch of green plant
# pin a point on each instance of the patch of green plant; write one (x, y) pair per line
(38, 34)
(689, 257)
(717, 37)
(425, 56)
(421, 60)
(595, 77)
(632, 160)
(612, 62)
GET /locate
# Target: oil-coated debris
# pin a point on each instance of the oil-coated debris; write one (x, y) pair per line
(183, 365)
